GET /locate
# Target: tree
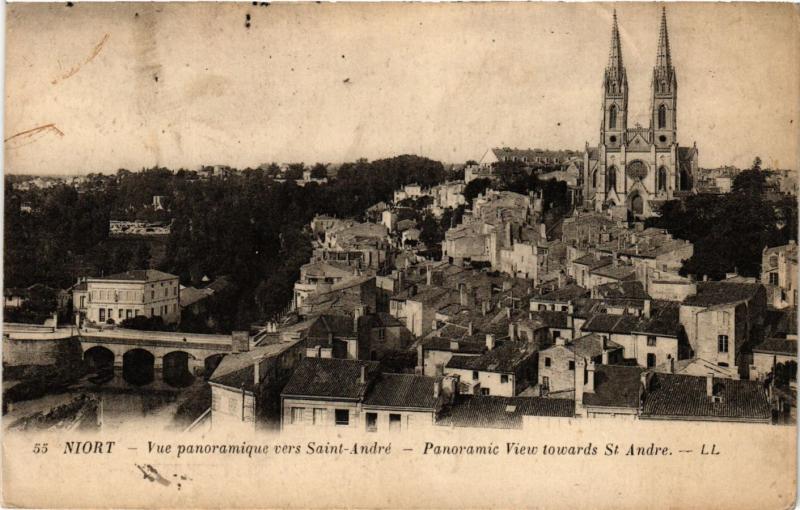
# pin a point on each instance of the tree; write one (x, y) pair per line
(319, 171)
(475, 188)
(295, 171)
(431, 232)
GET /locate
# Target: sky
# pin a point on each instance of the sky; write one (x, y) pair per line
(98, 87)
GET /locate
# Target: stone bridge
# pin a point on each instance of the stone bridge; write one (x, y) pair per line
(141, 355)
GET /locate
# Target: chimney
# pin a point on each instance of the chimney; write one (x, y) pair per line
(484, 307)
(646, 310)
(671, 365)
(508, 312)
(710, 384)
(705, 277)
(313, 352)
(489, 341)
(469, 329)
(326, 352)
(429, 275)
(358, 312)
(420, 359)
(605, 357)
(462, 294)
(257, 372)
(453, 345)
(580, 369)
(614, 257)
(401, 277)
(590, 378)
(512, 331)
(437, 388)
(363, 376)
(543, 231)
(240, 341)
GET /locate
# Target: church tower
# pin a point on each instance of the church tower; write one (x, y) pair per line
(615, 95)
(663, 120)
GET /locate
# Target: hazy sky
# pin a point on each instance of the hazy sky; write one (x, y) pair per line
(180, 85)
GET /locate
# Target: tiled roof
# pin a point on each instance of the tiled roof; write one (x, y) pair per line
(402, 390)
(237, 370)
(502, 359)
(565, 293)
(592, 261)
(330, 378)
(137, 275)
(551, 318)
(777, 346)
(619, 272)
(590, 346)
(615, 386)
(464, 346)
(664, 319)
(716, 293)
(625, 289)
(611, 323)
(502, 412)
(676, 396)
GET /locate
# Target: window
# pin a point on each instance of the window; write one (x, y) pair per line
(372, 422)
(564, 308)
(342, 417)
(773, 279)
(662, 117)
(651, 341)
(651, 360)
(504, 378)
(662, 179)
(297, 415)
(547, 362)
(474, 375)
(128, 313)
(152, 312)
(152, 294)
(612, 179)
(395, 421)
(381, 333)
(571, 365)
(120, 312)
(722, 343)
(594, 179)
(546, 382)
(612, 117)
(102, 315)
(722, 364)
(485, 392)
(320, 416)
(83, 301)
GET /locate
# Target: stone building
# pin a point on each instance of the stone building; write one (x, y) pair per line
(125, 295)
(637, 168)
(779, 275)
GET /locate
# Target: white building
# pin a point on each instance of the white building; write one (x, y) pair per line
(121, 296)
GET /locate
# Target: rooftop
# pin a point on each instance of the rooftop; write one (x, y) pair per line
(330, 378)
(502, 412)
(615, 386)
(685, 396)
(717, 293)
(502, 359)
(137, 275)
(402, 390)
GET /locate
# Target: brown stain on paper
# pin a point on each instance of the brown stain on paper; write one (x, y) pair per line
(92, 55)
(31, 135)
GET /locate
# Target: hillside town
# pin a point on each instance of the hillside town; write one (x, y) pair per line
(527, 285)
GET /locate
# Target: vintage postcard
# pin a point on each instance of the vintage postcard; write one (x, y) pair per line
(400, 255)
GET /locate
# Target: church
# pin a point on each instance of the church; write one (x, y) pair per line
(635, 169)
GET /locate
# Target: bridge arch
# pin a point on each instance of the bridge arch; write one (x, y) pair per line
(138, 367)
(98, 358)
(175, 368)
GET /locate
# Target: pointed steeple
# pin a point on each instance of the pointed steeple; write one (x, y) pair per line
(663, 60)
(615, 53)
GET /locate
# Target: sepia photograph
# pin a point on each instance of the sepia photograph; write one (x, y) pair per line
(400, 255)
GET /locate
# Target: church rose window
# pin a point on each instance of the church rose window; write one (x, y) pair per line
(637, 170)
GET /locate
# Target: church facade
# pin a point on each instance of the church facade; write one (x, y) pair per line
(635, 169)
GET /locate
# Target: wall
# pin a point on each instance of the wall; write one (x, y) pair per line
(560, 376)
(226, 408)
(665, 347)
(409, 420)
(327, 418)
(488, 380)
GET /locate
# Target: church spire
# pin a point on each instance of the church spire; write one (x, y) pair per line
(663, 60)
(615, 53)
